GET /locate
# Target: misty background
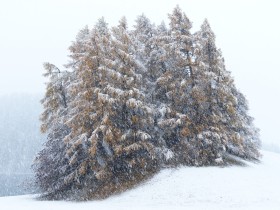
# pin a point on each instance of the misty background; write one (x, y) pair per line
(20, 140)
(33, 32)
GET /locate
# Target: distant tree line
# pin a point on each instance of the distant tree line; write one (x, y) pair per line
(131, 102)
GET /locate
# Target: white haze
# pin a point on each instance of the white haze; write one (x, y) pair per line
(33, 32)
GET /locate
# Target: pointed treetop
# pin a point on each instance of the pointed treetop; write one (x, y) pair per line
(205, 23)
(83, 34)
(206, 31)
(162, 27)
(102, 26)
(179, 21)
(144, 28)
(142, 21)
(123, 23)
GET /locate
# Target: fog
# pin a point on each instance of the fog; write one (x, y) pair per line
(20, 140)
(33, 32)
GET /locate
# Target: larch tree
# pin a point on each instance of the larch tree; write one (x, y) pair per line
(175, 82)
(114, 145)
(129, 116)
(143, 36)
(149, 41)
(205, 140)
(87, 55)
(50, 163)
(214, 107)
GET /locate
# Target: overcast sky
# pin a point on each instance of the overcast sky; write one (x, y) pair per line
(247, 31)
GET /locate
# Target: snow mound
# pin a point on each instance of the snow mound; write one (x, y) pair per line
(255, 186)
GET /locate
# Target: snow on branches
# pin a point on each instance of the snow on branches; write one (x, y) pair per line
(134, 101)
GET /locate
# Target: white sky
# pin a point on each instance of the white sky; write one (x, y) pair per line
(248, 32)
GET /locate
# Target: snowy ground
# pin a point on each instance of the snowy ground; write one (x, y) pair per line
(256, 186)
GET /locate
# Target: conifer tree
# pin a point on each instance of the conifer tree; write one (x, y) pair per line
(149, 41)
(214, 108)
(50, 164)
(109, 142)
(205, 138)
(173, 85)
(88, 57)
(143, 37)
(127, 119)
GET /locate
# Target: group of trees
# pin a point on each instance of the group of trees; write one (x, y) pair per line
(134, 101)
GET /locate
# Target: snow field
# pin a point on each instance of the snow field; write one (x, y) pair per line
(256, 186)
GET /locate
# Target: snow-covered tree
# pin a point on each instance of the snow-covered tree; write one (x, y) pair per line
(150, 41)
(85, 113)
(172, 87)
(124, 128)
(50, 164)
(214, 108)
